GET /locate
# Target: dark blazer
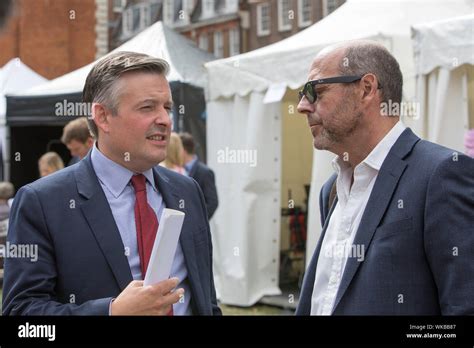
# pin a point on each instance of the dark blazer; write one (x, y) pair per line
(418, 235)
(205, 178)
(81, 260)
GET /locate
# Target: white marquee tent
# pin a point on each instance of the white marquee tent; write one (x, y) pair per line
(444, 61)
(15, 77)
(246, 227)
(185, 59)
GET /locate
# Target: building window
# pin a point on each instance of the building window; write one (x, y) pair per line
(168, 12)
(204, 42)
(329, 6)
(284, 21)
(127, 22)
(263, 19)
(234, 41)
(119, 5)
(207, 8)
(304, 13)
(231, 6)
(145, 16)
(218, 44)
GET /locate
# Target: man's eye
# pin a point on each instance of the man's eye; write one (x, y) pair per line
(147, 107)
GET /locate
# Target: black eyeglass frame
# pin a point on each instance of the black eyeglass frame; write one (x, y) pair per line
(309, 86)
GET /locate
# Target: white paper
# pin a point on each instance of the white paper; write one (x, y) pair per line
(275, 93)
(164, 248)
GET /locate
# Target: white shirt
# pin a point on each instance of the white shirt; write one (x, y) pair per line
(337, 245)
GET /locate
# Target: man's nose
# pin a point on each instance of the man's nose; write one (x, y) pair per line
(164, 118)
(304, 106)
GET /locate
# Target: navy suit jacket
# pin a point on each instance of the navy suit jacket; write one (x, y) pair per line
(81, 257)
(418, 234)
(205, 178)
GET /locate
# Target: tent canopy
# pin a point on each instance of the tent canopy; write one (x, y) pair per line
(186, 66)
(16, 77)
(356, 19)
(185, 58)
(447, 43)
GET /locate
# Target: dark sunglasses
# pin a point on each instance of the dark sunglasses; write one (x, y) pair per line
(309, 92)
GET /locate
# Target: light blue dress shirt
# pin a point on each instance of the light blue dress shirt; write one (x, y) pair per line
(115, 182)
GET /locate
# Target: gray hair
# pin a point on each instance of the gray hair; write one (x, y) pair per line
(370, 57)
(101, 83)
(6, 190)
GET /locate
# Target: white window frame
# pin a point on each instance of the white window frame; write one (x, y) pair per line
(145, 15)
(326, 7)
(119, 8)
(260, 30)
(218, 44)
(203, 41)
(231, 6)
(127, 22)
(168, 12)
(283, 15)
(301, 22)
(207, 8)
(234, 41)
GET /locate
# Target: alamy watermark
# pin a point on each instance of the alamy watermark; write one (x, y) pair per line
(24, 251)
(402, 109)
(74, 109)
(348, 251)
(237, 156)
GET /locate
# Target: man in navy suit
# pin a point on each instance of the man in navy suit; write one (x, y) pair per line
(201, 173)
(398, 214)
(94, 223)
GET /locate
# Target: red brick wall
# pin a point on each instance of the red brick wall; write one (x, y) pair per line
(53, 37)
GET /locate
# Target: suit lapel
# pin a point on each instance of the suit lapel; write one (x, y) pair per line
(97, 212)
(384, 187)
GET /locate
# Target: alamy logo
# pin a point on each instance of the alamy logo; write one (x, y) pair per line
(37, 331)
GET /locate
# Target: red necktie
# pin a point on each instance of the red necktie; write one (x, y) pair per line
(146, 223)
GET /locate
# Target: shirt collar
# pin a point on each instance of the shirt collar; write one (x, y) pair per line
(113, 175)
(378, 154)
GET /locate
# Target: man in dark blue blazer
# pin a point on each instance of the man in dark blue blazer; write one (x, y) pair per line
(85, 219)
(398, 215)
(201, 173)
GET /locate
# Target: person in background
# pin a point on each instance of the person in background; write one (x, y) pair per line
(175, 155)
(49, 163)
(77, 138)
(200, 172)
(6, 193)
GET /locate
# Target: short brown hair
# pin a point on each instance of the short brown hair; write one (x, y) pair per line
(101, 81)
(76, 130)
(188, 143)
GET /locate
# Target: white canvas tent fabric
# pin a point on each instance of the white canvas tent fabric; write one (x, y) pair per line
(15, 77)
(238, 120)
(444, 51)
(185, 58)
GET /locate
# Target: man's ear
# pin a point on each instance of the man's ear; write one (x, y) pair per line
(100, 116)
(369, 85)
(90, 142)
